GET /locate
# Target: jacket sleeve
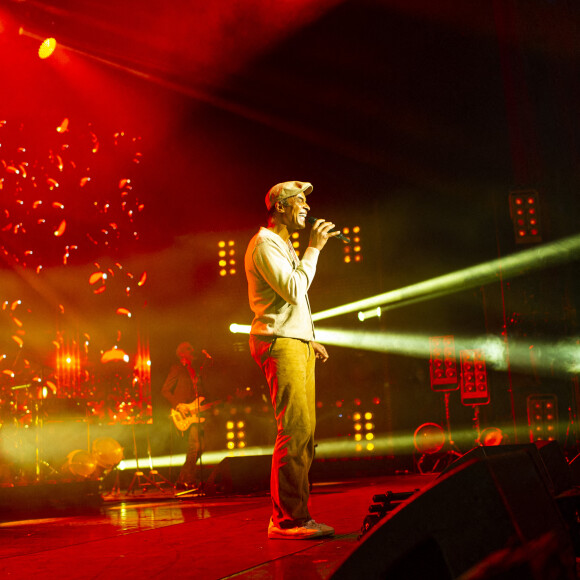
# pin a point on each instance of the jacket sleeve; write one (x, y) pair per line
(289, 281)
(168, 388)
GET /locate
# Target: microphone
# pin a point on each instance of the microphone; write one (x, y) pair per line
(312, 220)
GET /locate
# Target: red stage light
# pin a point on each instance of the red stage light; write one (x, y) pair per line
(474, 387)
(491, 436)
(525, 217)
(443, 365)
(542, 416)
(429, 438)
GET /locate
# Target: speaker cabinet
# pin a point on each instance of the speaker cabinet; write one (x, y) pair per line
(546, 455)
(240, 475)
(556, 465)
(460, 519)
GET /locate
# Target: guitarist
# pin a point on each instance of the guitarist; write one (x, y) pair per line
(183, 386)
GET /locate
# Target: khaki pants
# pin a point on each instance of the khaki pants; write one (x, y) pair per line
(288, 364)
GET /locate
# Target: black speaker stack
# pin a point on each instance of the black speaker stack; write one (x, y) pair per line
(504, 512)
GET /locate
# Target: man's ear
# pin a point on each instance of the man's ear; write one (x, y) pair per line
(280, 207)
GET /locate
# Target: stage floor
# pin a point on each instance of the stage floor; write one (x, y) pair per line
(155, 535)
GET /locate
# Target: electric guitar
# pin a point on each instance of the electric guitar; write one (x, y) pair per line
(183, 420)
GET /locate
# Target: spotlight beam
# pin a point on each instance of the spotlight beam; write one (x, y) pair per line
(547, 255)
(411, 345)
(545, 358)
(561, 357)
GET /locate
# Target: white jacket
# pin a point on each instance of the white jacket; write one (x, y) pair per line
(277, 286)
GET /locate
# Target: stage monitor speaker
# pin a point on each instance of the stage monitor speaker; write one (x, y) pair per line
(62, 499)
(459, 520)
(240, 475)
(557, 465)
(546, 455)
(575, 470)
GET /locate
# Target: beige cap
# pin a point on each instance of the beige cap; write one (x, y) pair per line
(287, 189)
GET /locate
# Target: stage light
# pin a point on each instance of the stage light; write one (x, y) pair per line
(372, 313)
(296, 242)
(240, 328)
(429, 438)
(525, 214)
(474, 390)
(537, 258)
(542, 417)
(47, 48)
(490, 437)
(227, 258)
(352, 250)
(442, 363)
(363, 430)
(235, 438)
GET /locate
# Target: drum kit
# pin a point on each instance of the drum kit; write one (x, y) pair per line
(24, 418)
(106, 453)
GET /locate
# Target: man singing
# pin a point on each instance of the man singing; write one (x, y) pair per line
(282, 343)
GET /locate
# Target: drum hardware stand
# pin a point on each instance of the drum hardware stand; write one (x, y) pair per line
(116, 489)
(451, 454)
(140, 480)
(154, 476)
(447, 455)
(37, 440)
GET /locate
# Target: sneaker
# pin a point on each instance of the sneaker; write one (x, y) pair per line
(326, 530)
(308, 530)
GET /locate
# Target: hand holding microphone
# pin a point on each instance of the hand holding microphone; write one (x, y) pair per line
(333, 234)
